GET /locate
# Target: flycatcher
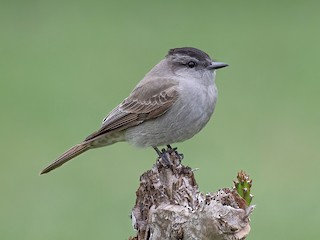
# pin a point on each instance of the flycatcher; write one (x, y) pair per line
(172, 103)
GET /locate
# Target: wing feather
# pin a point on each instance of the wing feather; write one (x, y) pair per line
(140, 106)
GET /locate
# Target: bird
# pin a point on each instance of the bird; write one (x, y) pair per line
(171, 104)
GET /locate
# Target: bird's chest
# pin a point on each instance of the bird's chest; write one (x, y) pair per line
(199, 102)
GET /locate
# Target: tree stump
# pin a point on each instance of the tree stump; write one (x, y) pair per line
(169, 205)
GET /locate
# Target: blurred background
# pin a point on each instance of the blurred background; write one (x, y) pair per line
(65, 64)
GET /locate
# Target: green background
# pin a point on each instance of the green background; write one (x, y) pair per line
(65, 64)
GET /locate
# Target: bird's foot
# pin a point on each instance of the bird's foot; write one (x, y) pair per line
(174, 150)
(165, 155)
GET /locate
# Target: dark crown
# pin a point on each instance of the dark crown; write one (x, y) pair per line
(189, 51)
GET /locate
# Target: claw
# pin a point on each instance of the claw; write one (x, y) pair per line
(164, 155)
(175, 150)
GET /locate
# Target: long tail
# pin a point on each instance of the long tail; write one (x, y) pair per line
(67, 156)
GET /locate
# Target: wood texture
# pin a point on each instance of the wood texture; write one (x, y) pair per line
(170, 206)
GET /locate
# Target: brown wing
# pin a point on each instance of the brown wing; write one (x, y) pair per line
(147, 101)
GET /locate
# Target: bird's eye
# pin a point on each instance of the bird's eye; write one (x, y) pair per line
(191, 64)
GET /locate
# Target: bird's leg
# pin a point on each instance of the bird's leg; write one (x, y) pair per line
(163, 156)
(157, 151)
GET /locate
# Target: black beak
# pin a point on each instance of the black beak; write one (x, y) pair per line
(217, 65)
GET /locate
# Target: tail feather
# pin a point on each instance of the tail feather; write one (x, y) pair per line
(67, 156)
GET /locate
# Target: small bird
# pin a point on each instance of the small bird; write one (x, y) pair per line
(172, 103)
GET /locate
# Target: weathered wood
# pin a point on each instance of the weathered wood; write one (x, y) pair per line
(170, 206)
